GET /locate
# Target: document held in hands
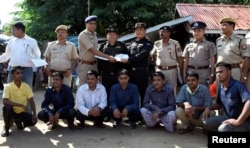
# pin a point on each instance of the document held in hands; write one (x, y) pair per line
(118, 57)
(38, 62)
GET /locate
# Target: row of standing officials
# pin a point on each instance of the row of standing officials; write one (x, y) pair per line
(168, 60)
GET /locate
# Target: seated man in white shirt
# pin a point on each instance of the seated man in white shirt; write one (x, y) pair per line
(91, 101)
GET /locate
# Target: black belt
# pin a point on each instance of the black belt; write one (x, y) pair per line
(198, 67)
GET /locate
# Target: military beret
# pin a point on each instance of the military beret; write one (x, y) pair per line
(61, 27)
(111, 29)
(165, 28)
(227, 20)
(198, 24)
(90, 18)
(140, 25)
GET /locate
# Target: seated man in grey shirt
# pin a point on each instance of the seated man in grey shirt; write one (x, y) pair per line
(191, 102)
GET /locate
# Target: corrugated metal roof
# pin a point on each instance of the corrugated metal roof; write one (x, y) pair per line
(213, 13)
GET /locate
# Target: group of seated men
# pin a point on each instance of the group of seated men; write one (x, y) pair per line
(193, 105)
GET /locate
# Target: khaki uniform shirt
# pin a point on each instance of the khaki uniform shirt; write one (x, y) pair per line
(86, 41)
(166, 52)
(61, 55)
(232, 49)
(199, 53)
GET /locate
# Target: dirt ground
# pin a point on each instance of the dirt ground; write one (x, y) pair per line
(93, 137)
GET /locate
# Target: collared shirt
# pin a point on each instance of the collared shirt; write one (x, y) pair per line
(139, 52)
(19, 95)
(60, 102)
(128, 98)
(233, 99)
(86, 41)
(166, 52)
(112, 50)
(199, 54)
(201, 97)
(20, 51)
(232, 49)
(61, 55)
(86, 98)
(164, 99)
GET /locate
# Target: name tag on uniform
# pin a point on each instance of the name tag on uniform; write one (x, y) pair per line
(118, 47)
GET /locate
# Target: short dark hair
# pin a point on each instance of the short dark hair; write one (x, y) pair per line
(92, 72)
(123, 72)
(19, 25)
(13, 69)
(192, 74)
(224, 64)
(160, 74)
(58, 74)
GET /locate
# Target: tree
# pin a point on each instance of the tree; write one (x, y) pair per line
(42, 16)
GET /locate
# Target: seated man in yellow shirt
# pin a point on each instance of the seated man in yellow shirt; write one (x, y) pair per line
(15, 98)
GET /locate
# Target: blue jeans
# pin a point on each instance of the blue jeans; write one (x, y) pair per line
(27, 76)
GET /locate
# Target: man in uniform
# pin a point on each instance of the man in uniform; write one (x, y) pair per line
(167, 55)
(139, 52)
(232, 49)
(61, 56)
(199, 55)
(88, 48)
(106, 69)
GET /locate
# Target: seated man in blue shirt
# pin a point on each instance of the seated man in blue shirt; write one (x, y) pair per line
(159, 104)
(234, 97)
(91, 101)
(58, 103)
(124, 100)
(191, 102)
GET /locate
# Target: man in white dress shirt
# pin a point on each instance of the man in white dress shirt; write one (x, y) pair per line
(91, 101)
(19, 51)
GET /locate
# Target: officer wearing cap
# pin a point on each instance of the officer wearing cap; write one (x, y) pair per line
(166, 55)
(199, 55)
(61, 56)
(88, 48)
(139, 52)
(108, 70)
(232, 49)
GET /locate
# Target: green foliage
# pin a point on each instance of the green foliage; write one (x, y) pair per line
(42, 16)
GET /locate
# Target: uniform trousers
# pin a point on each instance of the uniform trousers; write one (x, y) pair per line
(204, 75)
(170, 77)
(140, 78)
(168, 120)
(66, 81)
(82, 70)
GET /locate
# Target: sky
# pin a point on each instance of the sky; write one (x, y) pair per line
(6, 7)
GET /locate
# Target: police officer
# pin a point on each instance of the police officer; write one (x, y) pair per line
(139, 52)
(167, 55)
(232, 49)
(61, 56)
(107, 70)
(88, 48)
(199, 55)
